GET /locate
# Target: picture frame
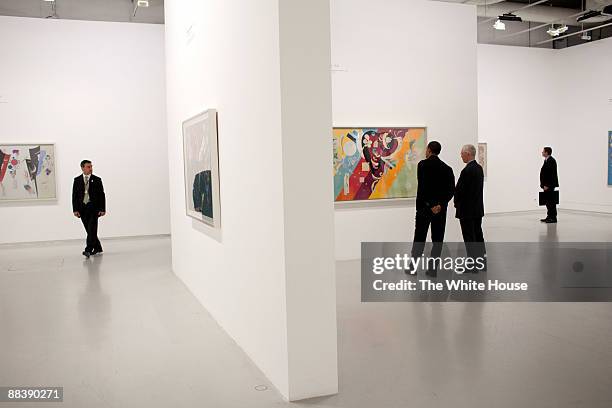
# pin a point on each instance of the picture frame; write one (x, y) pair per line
(396, 181)
(201, 168)
(28, 172)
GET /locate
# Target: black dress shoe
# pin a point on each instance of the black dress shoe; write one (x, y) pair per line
(551, 221)
(432, 272)
(87, 254)
(97, 252)
(544, 220)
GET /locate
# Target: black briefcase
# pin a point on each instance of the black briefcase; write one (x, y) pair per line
(548, 196)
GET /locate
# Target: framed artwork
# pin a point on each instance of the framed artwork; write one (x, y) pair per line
(27, 172)
(377, 163)
(610, 158)
(482, 156)
(201, 158)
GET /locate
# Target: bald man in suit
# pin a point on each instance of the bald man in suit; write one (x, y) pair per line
(469, 204)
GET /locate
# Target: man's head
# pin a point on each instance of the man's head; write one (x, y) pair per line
(468, 153)
(86, 167)
(546, 152)
(433, 148)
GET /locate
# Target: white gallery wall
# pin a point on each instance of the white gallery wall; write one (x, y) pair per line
(586, 119)
(516, 93)
(402, 63)
(530, 98)
(268, 276)
(96, 90)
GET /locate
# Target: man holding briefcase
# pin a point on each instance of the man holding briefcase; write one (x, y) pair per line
(548, 182)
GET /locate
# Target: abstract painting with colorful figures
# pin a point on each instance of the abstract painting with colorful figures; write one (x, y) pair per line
(377, 163)
(27, 172)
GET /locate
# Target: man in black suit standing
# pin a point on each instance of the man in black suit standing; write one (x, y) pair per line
(436, 185)
(549, 180)
(469, 203)
(89, 203)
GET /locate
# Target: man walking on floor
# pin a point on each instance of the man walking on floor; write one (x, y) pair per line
(469, 204)
(89, 203)
(436, 185)
(549, 180)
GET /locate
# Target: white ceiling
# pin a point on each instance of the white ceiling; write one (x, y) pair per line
(95, 10)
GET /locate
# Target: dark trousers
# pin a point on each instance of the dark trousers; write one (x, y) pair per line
(89, 217)
(471, 229)
(421, 226)
(551, 208)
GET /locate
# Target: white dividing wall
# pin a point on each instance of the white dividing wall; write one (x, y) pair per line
(530, 98)
(268, 277)
(403, 63)
(96, 90)
(516, 93)
(586, 113)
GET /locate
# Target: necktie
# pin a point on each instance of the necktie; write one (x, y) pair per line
(86, 197)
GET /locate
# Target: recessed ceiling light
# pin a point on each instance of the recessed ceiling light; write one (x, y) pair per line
(142, 3)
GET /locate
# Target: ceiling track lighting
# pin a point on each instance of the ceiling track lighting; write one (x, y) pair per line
(139, 4)
(53, 5)
(589, 15)
(555, 31)
(499, 25)
(510, 17)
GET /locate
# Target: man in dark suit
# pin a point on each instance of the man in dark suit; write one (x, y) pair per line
(436, 185)
(469, 203)
(549, 180)
(89, 203)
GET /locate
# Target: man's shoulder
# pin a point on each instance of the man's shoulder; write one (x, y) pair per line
(445, 166)
(477, 168)
(471, 168)
(432, 161)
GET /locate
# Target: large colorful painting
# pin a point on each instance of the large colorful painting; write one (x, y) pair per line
(377, 163)
(27, 172)
(610, 158)
(202, 168)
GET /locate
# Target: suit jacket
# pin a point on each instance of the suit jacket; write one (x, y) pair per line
(96, 193)
(468, 193)
(436, 185)
(548, 174)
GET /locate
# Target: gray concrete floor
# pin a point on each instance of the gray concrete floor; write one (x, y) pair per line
(120, 330)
